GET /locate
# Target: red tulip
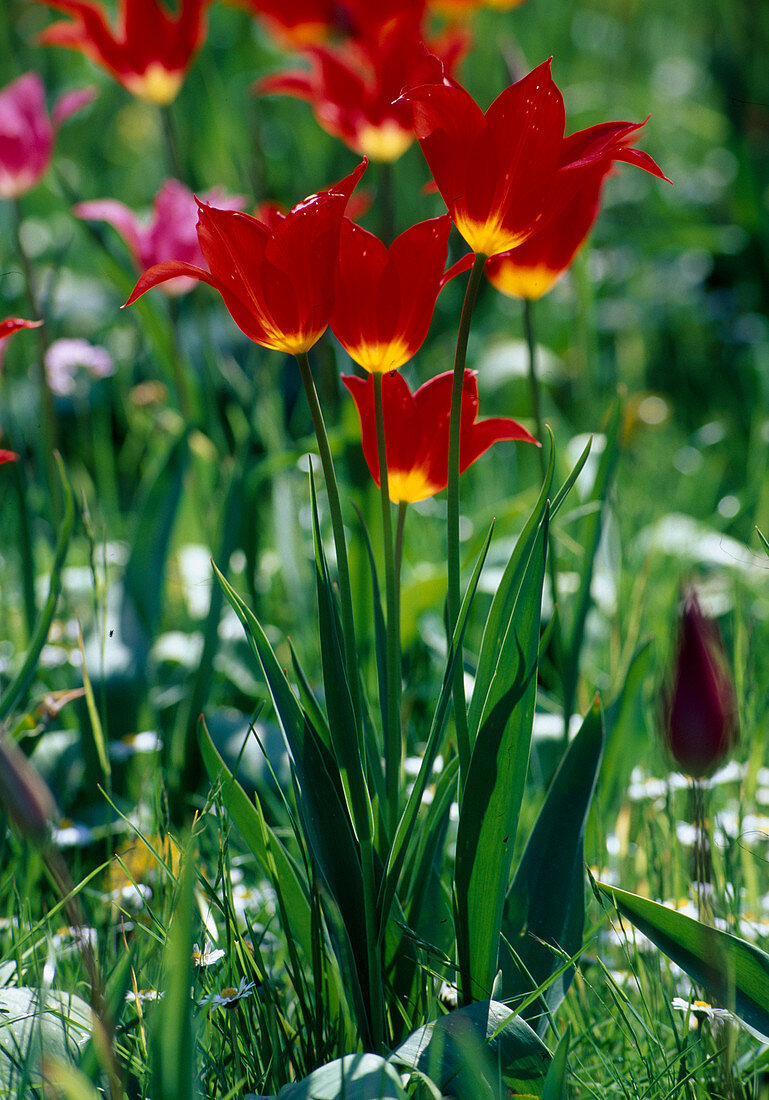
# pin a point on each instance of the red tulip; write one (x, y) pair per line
(352, 87)
(531, 269)
(7, 456)
(148, 52)
(386, 296)
(278, 283)
(27, 133)
(701, 709)
(170, 235)
(13, 324)
(417, 431)
(297, 24)
(505, 173)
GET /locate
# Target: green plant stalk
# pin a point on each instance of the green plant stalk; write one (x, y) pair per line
(181, 383)
(47, 411)
(393, 748)
(172, 145)
(337, 523)
(452, 532)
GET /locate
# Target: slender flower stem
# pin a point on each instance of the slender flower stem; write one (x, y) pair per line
(172, 145)
(393, 748)
(402, 509)
(453, 603)
(47, 411)
(335, 508)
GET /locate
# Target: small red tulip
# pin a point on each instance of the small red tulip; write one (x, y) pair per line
(417, 431)
(352, 87)
(277, 282)
(171, 233)
(386, 296)
(701, 708)
(149, 51)
(27, 133)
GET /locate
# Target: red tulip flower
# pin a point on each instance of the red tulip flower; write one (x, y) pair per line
(13, 324)
(352, 87)
(27, 133)
(531, 269)
(296, 24)
(417, 431)
(171, 234)
(701, 710)
(505, 173)
(278, 283)
(7, 456)
(148, 52)
(386, 296)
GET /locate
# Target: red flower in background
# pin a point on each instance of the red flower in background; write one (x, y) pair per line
(417, 431)
(27, 133)
(701, 710)
(171, 234)
(297, 24)
(386, 296)
(352, 86)
(277, 283)
(7, 456)
(148, 52)
(460, 9)
(13, 324)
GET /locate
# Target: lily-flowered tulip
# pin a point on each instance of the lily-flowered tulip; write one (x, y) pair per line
(530, 270)
(417, 431)
(148, 51)
(278, 283)
(27, 133)
(505, 173)
(352, 87)
(700, 722)
(386, 296)
(171, 233)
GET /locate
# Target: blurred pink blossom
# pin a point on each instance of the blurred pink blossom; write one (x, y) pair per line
(65, 358)
(27, 132)
(171, 232)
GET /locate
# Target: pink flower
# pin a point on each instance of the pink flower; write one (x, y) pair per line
(27, 133)
(170, 234)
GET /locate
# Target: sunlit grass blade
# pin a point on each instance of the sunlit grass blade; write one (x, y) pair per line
(491, 800)
(734, 971)
(554, 1087)
(546, 901)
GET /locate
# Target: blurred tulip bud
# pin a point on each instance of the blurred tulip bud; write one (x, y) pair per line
(24, 795)
(701, 710)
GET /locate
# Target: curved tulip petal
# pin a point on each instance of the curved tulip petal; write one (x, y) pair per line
(70, 103)
(7, 456)
(13, 324)
(163, 273)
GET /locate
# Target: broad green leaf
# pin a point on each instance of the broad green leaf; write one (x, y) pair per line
(735, 972)
(35, 1024)
(555, 1082)
(355, 1077)
(26, 673)
(466, 1051)
(265, 845)
(491, 800)
(546, 901)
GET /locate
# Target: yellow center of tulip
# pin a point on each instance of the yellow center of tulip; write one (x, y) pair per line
(380, 357)
(408, 486)
(522, 282)
(489, 237)
(155, 84)
(387, 142)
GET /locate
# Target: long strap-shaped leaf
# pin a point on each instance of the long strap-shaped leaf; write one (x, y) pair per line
(491, 800)
(736, 972)
(546, 901)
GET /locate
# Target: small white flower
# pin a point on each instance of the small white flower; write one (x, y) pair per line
(701, 1009)
(144, 995)
(208, 956)
(229, 996)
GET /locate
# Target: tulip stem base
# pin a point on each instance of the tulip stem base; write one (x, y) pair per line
(393, 747)
(452, 529)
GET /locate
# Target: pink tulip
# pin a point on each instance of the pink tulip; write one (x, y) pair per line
(171, 233)
(27, 132)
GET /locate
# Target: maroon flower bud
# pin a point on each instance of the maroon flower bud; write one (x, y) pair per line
(701, 709)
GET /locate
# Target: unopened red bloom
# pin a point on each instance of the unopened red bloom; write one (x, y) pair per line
(505, 173)
(701, 712)
(386, 296)
(148, 51)
(417, 431)
(27, 133)
(531, 269)
(352, 87)
(278, 283)
(171, 233)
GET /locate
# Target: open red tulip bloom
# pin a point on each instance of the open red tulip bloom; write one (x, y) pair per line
(701, 712)
(171, 233)
(278, 283)
(505, 173)
(417, 431)
(27, 133)
(386, 296)
(148, 52)
(352, 87)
